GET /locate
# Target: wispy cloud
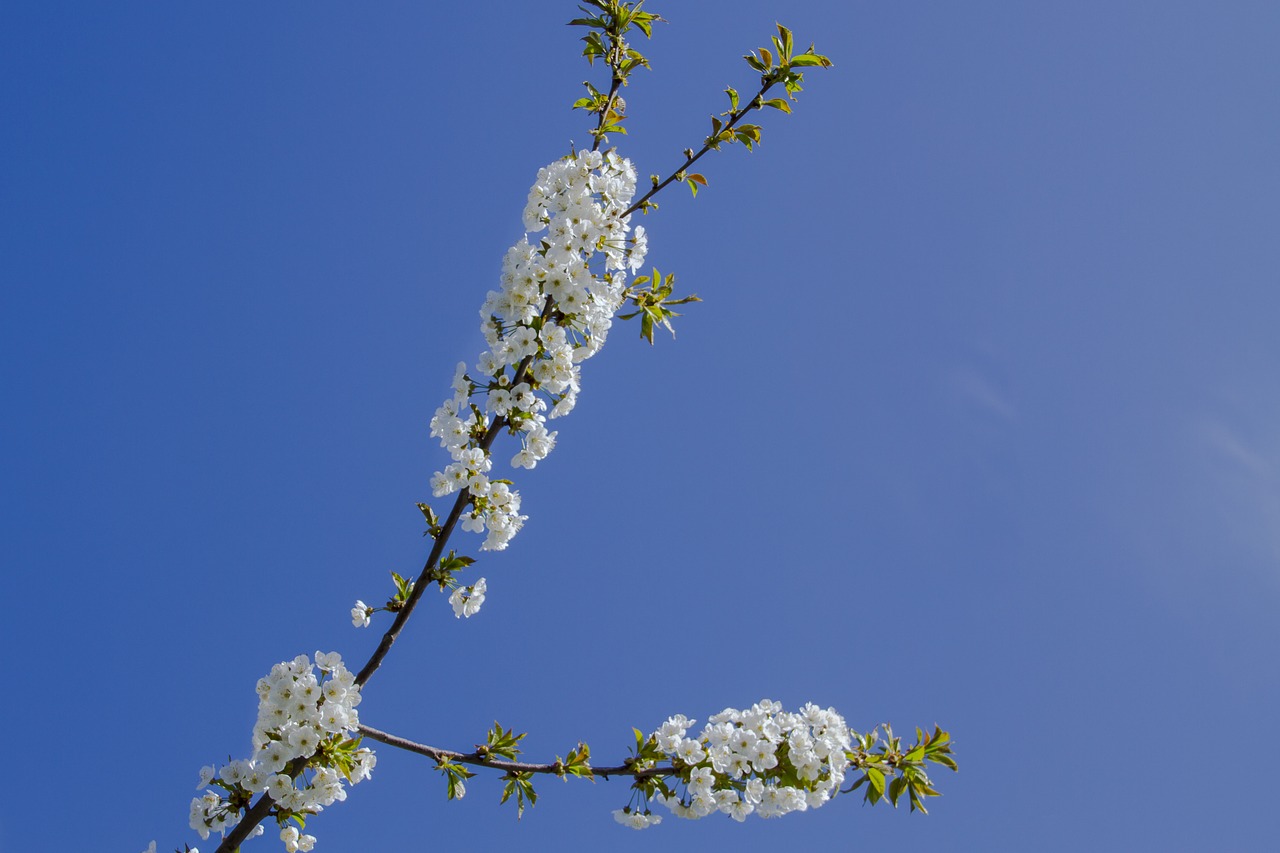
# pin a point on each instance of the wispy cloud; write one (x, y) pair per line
(980, 392)
(1231, 447)
(1244, 475)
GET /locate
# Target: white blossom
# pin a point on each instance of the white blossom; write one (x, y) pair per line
(360, 614)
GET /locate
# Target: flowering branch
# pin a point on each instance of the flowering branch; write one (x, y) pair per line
(560, 294)
(885, 757)
(728, 132)
(576, 302)
(763, 759)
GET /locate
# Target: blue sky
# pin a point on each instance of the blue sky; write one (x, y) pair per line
(977, 424)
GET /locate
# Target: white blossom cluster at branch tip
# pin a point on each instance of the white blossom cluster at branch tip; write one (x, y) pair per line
(556, 304)
(301, 715)
(762, 761)
(466, 600)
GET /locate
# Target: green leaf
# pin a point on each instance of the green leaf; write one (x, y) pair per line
(875, 785)
(787, 43)
(778, 104)
(806, 60)
(454, 563)
(925, 789)
(577, 764)
(455, 776)
(521, 785)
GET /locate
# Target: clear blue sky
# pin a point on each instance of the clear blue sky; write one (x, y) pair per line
(977, 424)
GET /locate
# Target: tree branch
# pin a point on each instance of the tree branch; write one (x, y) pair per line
(608, 106)
(480, 760)
(733, 119)
(446, 530)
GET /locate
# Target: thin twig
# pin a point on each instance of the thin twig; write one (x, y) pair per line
(481, 760)
(425, 578)
(733, 119)
(608, 105)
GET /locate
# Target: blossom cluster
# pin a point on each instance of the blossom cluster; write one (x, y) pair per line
(762, 761)
(553, 311)
(301, 715)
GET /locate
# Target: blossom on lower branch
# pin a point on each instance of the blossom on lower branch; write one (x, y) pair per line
(301, 715)
(762, 761)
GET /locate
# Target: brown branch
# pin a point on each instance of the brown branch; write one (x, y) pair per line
(608, 105)
(425, 578)
(483, 760)
(734, 118)
(616, 47)
(419, 586)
